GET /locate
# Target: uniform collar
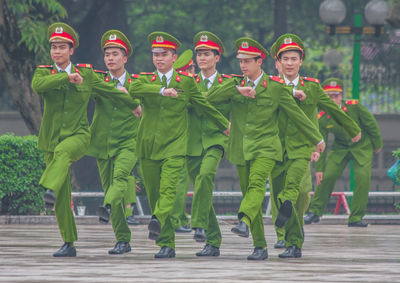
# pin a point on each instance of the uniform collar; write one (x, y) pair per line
(295, 81)
(168, 75)
(257, 80)
(121, 79)
(67, 69)
(211, 78)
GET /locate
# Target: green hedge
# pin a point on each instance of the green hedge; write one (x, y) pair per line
(21, 166)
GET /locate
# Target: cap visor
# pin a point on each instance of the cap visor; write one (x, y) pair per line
(159, 49)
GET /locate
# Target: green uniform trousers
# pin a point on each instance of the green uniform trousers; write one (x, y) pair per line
(130, 194)
(303, 201)
(202, 170)
(115, 175)
(178, 215)
(285, 185)
(253, 178)
(56, 177)
(333, 170)
(160, 179)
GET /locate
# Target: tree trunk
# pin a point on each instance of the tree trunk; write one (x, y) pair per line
(16, 70)
(280, 21)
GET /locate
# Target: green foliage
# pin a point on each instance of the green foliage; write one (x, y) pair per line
(396, 153)
(21, 165)
(34, 16)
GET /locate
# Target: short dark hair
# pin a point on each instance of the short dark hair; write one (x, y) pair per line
(216, 52)
(298, 51)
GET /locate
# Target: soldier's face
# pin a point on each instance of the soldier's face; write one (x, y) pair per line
(115, 59)
(336, 96)
(250, 67)
(164, 61)
(291, 63)
(206, 59)
(60, 53)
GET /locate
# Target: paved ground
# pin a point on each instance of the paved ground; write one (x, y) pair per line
(332, 253)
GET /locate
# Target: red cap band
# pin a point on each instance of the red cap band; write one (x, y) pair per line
(164, 44)
(64, 35)
(208, 45)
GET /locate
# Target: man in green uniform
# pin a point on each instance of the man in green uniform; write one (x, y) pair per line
(64, 133)
(206, 145)
(254, 142)
(297, 150)
(179, 217)
(113, 140)
(342, 151)
(162, 136)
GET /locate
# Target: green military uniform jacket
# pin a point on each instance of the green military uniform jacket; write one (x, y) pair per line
(65, 103)
(163, 130)
(371, 138)
(254, 129)
(293, 139)
(114, 126)
(203, 133)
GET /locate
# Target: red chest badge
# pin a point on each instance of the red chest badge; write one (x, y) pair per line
(265, 83)
(178, 78)
(53, 72)
(153, 78)
(220, 80)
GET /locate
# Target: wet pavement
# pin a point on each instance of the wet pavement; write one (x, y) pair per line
(331, 253)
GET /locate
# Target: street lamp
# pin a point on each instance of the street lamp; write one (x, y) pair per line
(332, 13)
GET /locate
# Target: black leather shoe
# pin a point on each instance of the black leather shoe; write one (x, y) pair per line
(208, 250)
(132, 221)
(311, 217)
(259, 253)
(199, 235)
(241, 229)
(280, 244)
(291, 252)
(154, 228)
(165, 252)
(183, 229)
(285, 211)
(104, 212)
(153, 236)
(49, 199)
(120, 248)
(66, 250)
(358, 224)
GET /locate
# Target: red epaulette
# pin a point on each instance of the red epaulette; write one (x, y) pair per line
(84, 65)
(277, 79)
(45, 66)
(311, 79)
(226, 76)
(186, 74)
(350, 102)
(237, 76)
(135, 76)
(320, 114)
(100, 71)
(146, 73)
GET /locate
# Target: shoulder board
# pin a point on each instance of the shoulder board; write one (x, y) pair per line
(186, 74)
(84, 66)
(353, 101)
(146, 73)
(237, 76)
(320, 114)
(277, 79)
(135, 76)
(45, 66)
(311, 79)
(226, 76)
(99, 71)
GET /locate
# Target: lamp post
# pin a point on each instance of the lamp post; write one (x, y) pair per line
(332, 13)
